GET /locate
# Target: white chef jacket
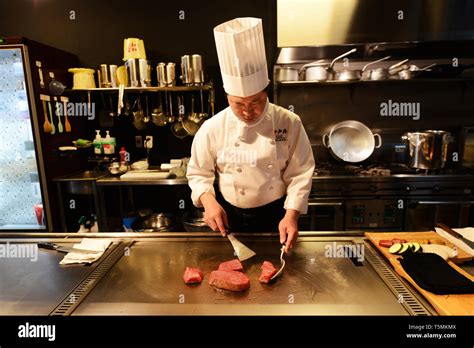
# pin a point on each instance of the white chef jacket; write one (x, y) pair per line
(255, 164)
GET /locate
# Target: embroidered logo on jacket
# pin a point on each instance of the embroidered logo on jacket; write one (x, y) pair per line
(281, 134)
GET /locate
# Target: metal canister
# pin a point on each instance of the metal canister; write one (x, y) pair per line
(113, 76)
(104, 76)
(187, 70)
(142, 69)
(132, 71)
(170, 74)
(161, 74)
(198, 73)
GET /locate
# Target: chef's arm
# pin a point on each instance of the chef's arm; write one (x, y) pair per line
(201, 175)
(299, 171)
(201, 167)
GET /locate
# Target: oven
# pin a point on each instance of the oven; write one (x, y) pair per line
(323, 215)
(422, 213)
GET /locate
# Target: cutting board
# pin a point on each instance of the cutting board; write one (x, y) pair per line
(444, 304)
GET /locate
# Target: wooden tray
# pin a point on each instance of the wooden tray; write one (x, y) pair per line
(444, 304)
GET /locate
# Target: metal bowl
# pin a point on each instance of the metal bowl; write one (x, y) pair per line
(161, 222)
(193, 221)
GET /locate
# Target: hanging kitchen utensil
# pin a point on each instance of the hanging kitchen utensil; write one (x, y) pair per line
(193, 122)
(158, 116)
(282, 262)
(53, 128)
(351, 141)
(177, 128)
(57, 109)
(242, 251)
(138, 116)
(322, 71)
(67, 125)
(171, 117)
(146, 116)
(46, 125)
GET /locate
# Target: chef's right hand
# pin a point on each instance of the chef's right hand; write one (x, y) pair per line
(214, 215)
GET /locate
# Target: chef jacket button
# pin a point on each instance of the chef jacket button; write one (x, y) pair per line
(272, 142)
(270, 166)
(236, 144)
(242, 192)
(239, 170)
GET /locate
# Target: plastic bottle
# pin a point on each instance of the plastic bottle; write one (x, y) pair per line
(109, 144)
(123, 155)
(97, 143)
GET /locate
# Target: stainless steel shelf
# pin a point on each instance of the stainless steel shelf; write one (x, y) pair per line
(434, 80)
(114, 181)
(147, 89)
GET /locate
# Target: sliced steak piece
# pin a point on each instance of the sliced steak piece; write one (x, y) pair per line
(192, 275)
(232, 265)
(268, 271)
(229, 280)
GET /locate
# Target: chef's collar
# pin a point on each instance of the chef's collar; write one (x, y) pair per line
(253, 124)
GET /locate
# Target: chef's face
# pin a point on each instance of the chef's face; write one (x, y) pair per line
(248, 109)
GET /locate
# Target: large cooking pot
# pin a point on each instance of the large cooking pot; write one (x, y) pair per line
(428, 149)
(351, 141)
(162, 222)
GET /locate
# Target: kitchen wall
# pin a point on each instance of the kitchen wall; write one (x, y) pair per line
(94, 31)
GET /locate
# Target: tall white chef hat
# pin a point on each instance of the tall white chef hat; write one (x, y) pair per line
(241, 52)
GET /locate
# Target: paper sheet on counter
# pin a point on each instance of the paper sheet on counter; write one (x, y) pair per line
(96, 246)
(467, 232)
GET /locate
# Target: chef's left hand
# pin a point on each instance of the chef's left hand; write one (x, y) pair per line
(288, 228)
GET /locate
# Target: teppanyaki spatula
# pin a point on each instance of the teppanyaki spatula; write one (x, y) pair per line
(241, 250)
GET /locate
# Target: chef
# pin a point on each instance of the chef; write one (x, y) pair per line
(259, 152)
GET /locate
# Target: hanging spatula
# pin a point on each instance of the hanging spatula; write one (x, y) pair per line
(241, 250)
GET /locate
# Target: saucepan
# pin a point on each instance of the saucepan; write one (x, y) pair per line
(321, 70)
(286, 73)
(351, 141)
(355, 75)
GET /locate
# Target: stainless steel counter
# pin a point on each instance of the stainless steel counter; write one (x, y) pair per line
(147, 280)
(115, 181)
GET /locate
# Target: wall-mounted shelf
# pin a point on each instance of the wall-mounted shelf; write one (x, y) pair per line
(310, 83)
(204, 87)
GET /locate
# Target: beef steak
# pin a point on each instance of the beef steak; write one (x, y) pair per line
(268, 271)
(232, 265)
(192, 275)
(229, 280)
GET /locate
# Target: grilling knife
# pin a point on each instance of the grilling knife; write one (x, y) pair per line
(459, 236)
(52, 246)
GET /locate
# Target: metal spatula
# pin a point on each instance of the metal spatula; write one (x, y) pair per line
(241, 250)
(282, 262)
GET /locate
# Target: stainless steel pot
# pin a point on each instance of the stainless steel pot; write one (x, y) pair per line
(355, 75)
(351, 141)
(321, 70)
(428, 149)
(286, 73)
(155, 223)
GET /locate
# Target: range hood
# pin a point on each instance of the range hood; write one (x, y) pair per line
(341, 22)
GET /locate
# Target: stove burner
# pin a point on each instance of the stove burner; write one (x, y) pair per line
(374, 169)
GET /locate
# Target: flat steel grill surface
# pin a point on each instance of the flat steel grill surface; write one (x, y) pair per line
(149, 281)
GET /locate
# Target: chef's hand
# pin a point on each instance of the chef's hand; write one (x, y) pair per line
(214, 215)
(288, 228)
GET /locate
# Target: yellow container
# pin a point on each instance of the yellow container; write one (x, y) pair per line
(133, 48)
(82, 78)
